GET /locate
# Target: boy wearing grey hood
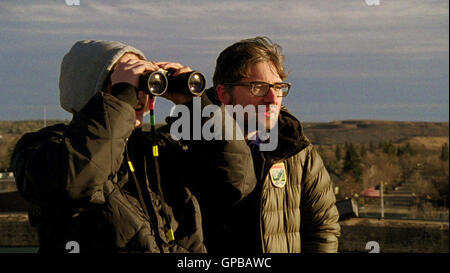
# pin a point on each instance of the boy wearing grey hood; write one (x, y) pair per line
(91, 183)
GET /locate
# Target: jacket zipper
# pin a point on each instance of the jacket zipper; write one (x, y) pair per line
(260, 204)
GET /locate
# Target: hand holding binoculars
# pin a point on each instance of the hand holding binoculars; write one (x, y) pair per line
(161, 81)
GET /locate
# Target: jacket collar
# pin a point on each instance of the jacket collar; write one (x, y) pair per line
(291, 138)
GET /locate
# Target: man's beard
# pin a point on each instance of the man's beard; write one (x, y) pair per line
(260, 121)
(263, 121)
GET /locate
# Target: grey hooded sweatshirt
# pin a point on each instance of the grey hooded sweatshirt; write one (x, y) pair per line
(85, 68)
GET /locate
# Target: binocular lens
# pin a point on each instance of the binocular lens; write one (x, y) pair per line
(157, 83)
(196, 83)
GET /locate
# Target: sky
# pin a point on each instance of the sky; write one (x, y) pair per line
(347, 60)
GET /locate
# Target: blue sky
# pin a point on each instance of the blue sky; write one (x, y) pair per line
(346, 59)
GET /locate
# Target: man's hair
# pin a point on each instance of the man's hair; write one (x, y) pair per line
(234, 62)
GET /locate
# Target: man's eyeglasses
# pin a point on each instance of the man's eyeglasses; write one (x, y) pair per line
(261, 89)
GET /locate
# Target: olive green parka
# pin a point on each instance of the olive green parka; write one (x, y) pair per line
(299, 216)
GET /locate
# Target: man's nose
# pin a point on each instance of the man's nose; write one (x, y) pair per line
(271, 95)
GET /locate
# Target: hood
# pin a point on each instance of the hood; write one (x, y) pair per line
(85, 68)
(291, 137)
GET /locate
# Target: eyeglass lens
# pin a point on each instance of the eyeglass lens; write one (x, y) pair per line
(262, 89)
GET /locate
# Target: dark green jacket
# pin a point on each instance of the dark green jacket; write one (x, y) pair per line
(80, 187)
(301, 216)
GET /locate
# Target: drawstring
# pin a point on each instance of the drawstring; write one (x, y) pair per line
(138, 188)
(170, 233)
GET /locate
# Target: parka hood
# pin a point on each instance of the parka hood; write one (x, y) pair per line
(85, 68)
(291, 137)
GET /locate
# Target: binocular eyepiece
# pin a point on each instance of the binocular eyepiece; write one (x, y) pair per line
(161, 81)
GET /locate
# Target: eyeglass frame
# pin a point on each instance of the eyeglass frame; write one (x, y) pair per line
(252, 84)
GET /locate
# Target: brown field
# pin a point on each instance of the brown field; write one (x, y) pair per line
(366, 131)
(431, 135)
(430, 143)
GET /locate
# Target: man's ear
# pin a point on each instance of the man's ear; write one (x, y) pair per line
(223, 94)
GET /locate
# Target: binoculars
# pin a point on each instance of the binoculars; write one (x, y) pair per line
(161, 81)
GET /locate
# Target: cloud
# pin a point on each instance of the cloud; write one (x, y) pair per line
(306, 27)
(404, 44)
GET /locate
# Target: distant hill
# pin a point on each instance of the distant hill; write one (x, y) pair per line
(24, 126)
(365, 131)
(320, 133)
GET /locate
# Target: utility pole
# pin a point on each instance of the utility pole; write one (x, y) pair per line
(382, 199)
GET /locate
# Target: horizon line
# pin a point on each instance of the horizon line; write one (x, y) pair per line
(302, 121)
